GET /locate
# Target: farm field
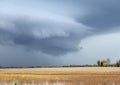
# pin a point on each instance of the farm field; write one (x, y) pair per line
(62, 75)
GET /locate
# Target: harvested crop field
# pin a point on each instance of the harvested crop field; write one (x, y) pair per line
(64, 75)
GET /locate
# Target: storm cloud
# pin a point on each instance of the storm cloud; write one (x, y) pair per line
(49, 29)
(48, 35)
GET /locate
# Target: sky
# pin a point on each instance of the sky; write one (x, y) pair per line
(58, 32)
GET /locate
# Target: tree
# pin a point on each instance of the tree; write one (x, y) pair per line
(98, 63)
(108, 61)
(101, 63)
(118, 63)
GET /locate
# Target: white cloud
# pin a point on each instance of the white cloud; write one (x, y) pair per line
(102, 46)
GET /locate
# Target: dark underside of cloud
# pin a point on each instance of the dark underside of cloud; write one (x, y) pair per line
(48, 36)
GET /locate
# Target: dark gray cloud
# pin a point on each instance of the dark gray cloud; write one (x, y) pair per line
(104, 15)
(18, 56)
(55, 37)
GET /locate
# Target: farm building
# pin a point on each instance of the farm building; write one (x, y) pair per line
(104, 62)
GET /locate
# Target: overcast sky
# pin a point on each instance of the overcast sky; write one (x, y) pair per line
(58, 32)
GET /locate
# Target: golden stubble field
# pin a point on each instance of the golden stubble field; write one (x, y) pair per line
(88, 75)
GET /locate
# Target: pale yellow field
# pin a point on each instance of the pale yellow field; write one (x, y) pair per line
(88, 75)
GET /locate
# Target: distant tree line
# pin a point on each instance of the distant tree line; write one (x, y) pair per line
(100, 63)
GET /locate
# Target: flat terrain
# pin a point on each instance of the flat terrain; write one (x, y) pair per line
(90, 75)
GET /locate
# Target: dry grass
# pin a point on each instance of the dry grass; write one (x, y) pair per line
(88, 75)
